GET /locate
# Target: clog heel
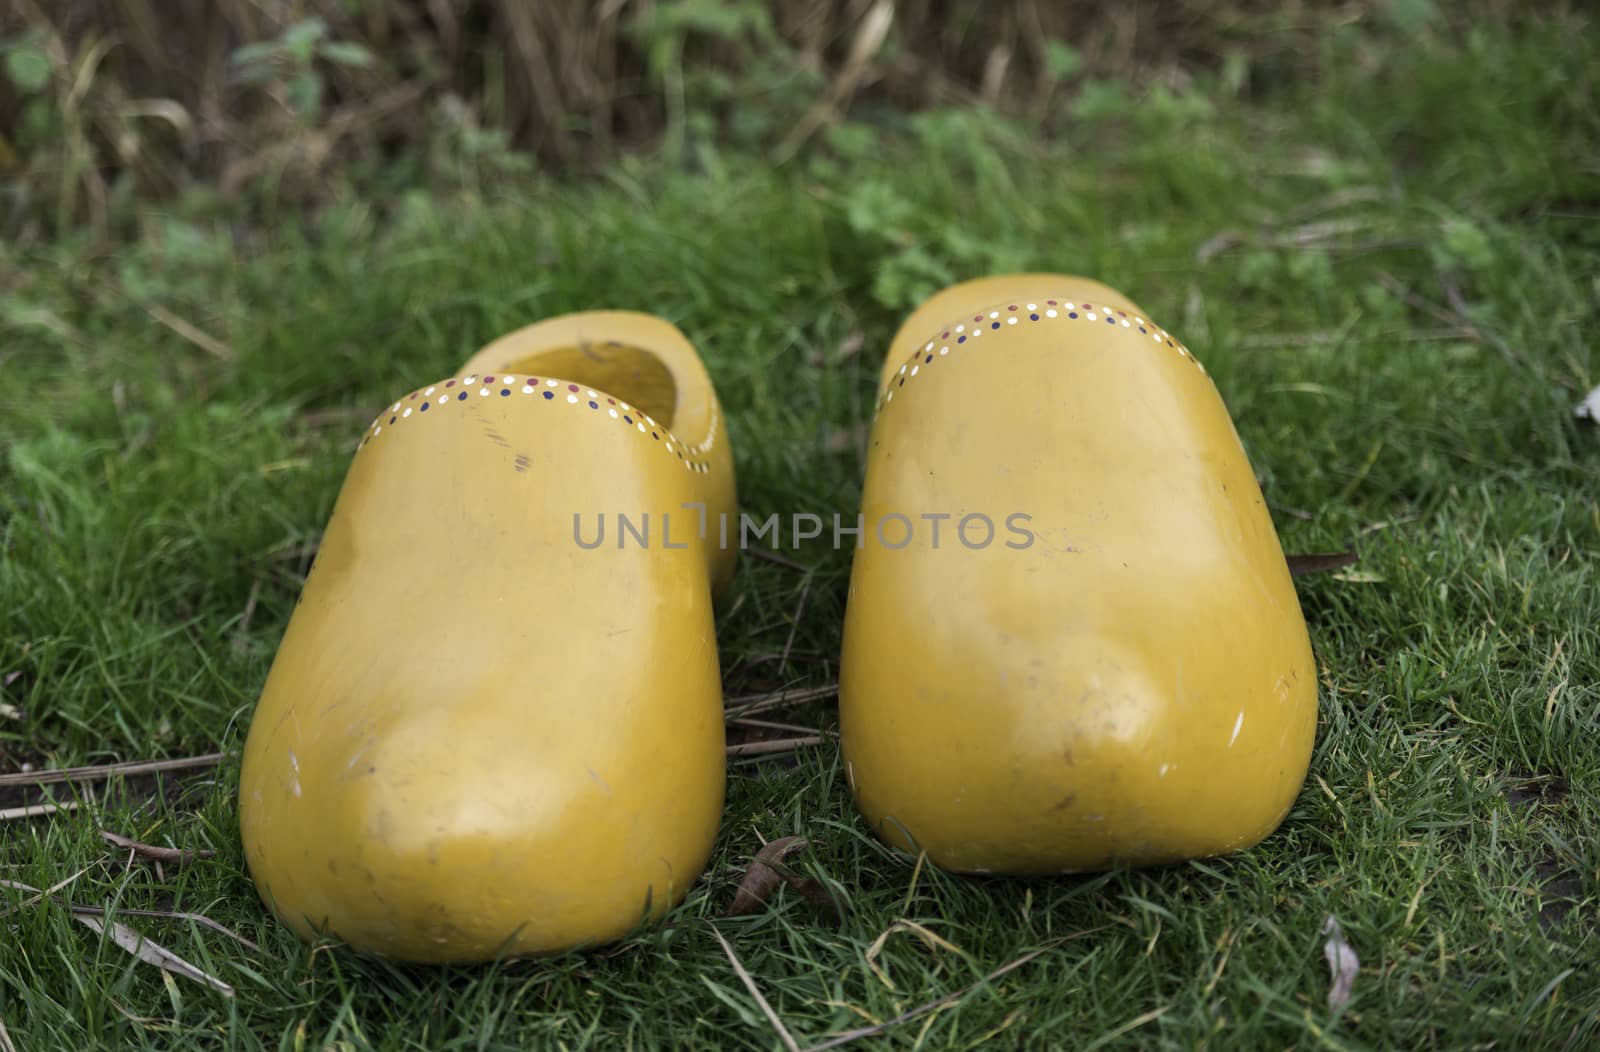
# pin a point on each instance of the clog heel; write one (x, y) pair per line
(1096, 657)
(494, 724)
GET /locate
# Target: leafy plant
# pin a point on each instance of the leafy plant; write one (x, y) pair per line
(293, 58)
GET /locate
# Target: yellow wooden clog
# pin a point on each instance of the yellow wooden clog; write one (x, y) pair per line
(1097, 658)
(484, 733)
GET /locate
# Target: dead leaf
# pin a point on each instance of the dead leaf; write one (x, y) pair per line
(1300, 565)
(1589, 408)
(152, 953)
(765, 874)
(1360, 577)
(173, 855)
(1343, 964)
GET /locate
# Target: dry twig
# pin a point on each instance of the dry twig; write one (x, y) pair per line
(877, 1028)
(97, 772)
(36, 810)
(755, 991)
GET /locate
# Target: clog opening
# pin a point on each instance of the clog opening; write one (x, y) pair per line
(633, 374)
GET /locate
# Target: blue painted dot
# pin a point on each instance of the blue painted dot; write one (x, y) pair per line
(655, 436)
(425, 405)
(1033, 317)
(962, 340)
(549, 395)
(594, 405)
(1073, 314)
(504, 391)
(928, 359)
(1144, 330)
(1110, 320)
(627, 418)
(462, 397)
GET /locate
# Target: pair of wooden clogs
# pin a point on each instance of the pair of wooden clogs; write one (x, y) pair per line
(494, 724)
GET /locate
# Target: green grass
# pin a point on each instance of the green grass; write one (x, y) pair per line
(1391, 275)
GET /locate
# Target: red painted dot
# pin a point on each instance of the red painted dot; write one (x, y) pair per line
(413, 397)
(977, 317)
(1012, 307)
(611, 401)
(452, 383)
(945, 336)
(488, 379)
(1088, 306)
(1051, 302)
(572, 387)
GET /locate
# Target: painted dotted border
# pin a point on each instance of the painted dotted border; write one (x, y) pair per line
(553, 392)
(1004, 317)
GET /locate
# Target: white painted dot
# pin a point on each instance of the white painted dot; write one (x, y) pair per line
(1033, 306)
(526, 389)
(510, 380)
(550, 383)
(902, 370)
(1138, 319)
(1091, 316)
(641, 425)
(1067, 306)
(1050, 313)
(914, 369)
(961, 328)
(470, 380)
(1183, 352)
(624, 406)
(572, 399)
(483, 392)
(1156, 336)
(405, 414)
(395, 408)
(377, 431)
(593, 395)
(1124, 323)
(888, 398)
(929, 347)
(994, 314)
(613, 413)
(943, 351)
(443, 399)
(430, 390)
(1011, 320)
